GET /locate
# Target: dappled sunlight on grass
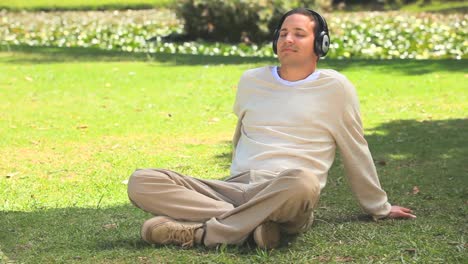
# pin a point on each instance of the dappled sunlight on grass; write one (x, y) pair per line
(75, 126)
(399, 156)
(24, 54)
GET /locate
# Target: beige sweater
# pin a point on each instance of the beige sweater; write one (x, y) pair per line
(291, 125)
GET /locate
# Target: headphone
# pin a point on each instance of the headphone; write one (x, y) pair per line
(322, 37)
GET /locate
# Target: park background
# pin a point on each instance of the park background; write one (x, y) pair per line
(92, 90)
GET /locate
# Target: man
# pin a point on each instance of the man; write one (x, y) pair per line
(291, 119)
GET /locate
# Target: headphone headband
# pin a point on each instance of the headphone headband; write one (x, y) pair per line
(322, 37)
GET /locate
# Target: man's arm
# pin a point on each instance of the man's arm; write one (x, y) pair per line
(237, 134)
(358, 162)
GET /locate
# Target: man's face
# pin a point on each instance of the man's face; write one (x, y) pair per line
(296, 40)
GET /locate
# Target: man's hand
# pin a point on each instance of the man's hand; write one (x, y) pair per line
(400, 212)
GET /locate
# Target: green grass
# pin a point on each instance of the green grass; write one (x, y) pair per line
(75, 123)
(47, 5)
(437, 6)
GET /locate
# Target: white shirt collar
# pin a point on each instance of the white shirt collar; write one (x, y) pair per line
(311, 77)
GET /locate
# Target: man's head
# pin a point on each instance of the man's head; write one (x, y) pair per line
(301, 35)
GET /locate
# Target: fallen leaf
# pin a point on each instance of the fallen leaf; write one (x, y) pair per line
(35, 142)
(115, 146)
(415, 190)
(29, 79)
(143, 259)
(24, 246)
(68, 176)
(213, 120)
(344, 259)
(82, 127)
(410, 250)
(110, 226)
(323, 259)
(12, 174)
(125, 181)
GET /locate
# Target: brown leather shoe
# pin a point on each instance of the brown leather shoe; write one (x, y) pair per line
(267, 235)
(164, 230)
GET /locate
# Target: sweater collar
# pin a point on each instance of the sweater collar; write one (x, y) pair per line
(312, 77)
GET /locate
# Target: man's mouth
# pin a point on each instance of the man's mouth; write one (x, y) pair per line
(288, 49)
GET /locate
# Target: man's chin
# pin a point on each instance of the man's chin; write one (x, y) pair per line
(292, 60)
(285, 53)
(288, 56)
(295, 59)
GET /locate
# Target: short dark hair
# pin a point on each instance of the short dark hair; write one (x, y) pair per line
(301, 11)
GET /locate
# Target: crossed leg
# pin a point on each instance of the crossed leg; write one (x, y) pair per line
(230, 210)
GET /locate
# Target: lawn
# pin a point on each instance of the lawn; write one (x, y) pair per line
(418, 6)
(437, 6)
(82, 4)
(75, 123)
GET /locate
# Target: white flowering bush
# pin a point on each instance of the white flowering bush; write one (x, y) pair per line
(354, 35)
(399, 35)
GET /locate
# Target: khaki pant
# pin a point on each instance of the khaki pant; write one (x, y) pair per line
(233, 208)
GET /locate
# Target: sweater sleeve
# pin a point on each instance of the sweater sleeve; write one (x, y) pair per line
(357, 159)
(237, 111)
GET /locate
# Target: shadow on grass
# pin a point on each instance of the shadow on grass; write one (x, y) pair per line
(411, 139)
(59, 55)
(428, 154)
(407, 153)
(224, 159)
(75, 234)
(76, 54)
(451, 10)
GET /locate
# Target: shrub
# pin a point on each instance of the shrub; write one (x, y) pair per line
(373, 35)
(235, 20)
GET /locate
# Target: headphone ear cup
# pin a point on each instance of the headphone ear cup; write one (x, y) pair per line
(325, 45)
(318, 45)
(322, 44)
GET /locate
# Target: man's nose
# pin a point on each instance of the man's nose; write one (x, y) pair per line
(289, 38)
